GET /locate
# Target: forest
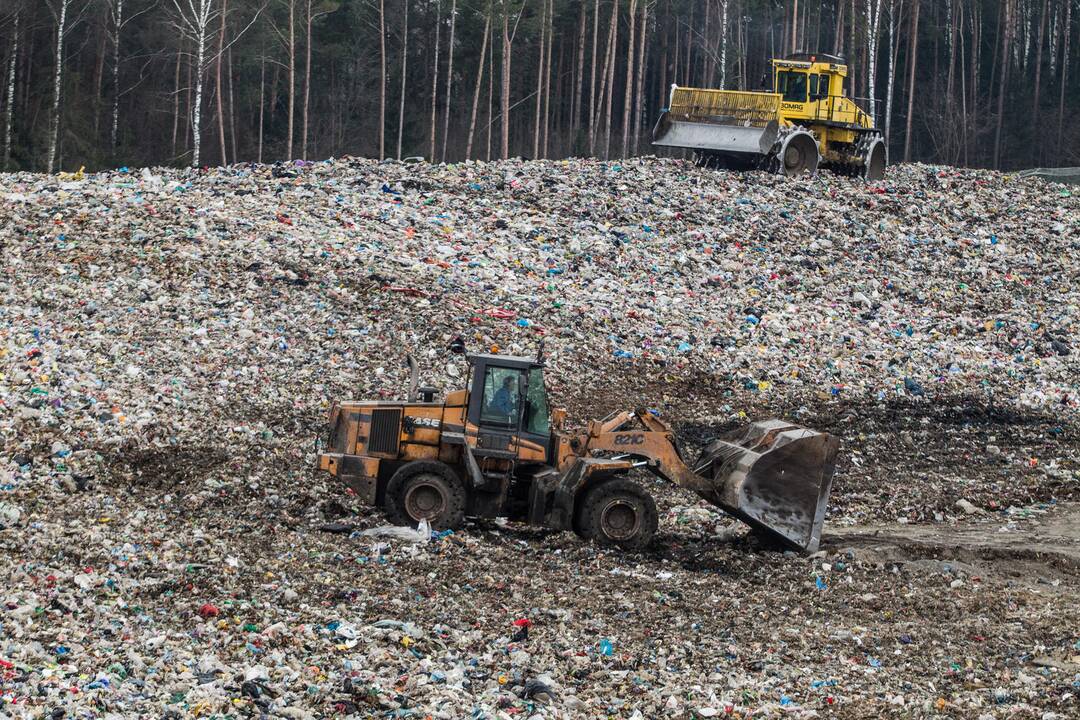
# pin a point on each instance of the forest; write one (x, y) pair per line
(110, 83)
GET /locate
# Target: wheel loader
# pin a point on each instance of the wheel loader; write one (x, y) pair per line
(804, 122)
(496, 449)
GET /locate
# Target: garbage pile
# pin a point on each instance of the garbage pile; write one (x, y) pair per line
(171, 339)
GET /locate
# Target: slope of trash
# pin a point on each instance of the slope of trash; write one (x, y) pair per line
(170, 342)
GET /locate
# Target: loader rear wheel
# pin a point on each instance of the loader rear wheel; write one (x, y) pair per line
(426, 490)
(620, 513)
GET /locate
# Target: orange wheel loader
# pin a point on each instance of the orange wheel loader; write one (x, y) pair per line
(495, 449)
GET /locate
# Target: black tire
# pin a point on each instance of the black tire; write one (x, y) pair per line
(800, 155)
(874, 168)
(426, 489)
(619, 513)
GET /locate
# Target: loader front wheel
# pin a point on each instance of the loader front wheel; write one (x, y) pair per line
(620, 513)
(426, 490)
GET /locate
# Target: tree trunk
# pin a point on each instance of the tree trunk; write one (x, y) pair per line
(912, 62)
(609, 73)
(539, 81)
(479, 81)
(382, 79)
(262, 103)
(723, 43)
(641, 104)
(435, 79)
(592, 78)
(950, 45)
(547, 77)
(852, 84)
(220, 100)
(292, 80)
(1064, 76)
(795, 29)
(894, 51)
(504, 93)
(118, 24)
(628, 93)
(1038, 79)
(232, 106)
(873, 21)
(838, 32)
(9, 111)
(961, 52)
(450, 78)
(307, 85)
(1004, 78)
(58, 78)
(176, 102)
(99, 80)
(404, 76)
(491, 87)
(575, 114)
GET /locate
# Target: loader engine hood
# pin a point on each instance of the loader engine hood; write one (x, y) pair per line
(775, 476)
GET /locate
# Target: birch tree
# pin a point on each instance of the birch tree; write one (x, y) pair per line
(59, 9)
(873, 20)
(116, 8)
(195, 17)
(382, 79)
(9, 110)
(723, 43)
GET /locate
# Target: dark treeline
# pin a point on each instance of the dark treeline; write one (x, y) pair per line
(104, 83)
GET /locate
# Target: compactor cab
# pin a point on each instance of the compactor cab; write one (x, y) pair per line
(496, 449)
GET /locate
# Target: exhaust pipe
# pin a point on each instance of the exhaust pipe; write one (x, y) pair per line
(414, 377)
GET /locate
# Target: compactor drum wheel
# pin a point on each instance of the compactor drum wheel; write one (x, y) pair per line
(876, 159)
(418, 491)
(798, 155)
(620, 513)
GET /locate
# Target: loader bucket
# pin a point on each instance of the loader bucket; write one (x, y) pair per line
(775, 477)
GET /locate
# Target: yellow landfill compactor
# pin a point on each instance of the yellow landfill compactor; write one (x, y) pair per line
(806, 122)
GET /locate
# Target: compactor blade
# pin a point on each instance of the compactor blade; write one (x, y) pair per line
(776, 477)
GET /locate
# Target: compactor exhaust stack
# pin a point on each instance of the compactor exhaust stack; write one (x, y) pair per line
(775, 477)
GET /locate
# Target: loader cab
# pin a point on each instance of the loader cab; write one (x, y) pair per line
(508, 407)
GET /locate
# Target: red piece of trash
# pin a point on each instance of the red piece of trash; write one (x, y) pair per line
(523, 622)
(209, 611)
(413, 292)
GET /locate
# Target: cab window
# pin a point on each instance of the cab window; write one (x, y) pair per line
(537, 420)
(502, 397)
(791, 85)
(822, 89)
